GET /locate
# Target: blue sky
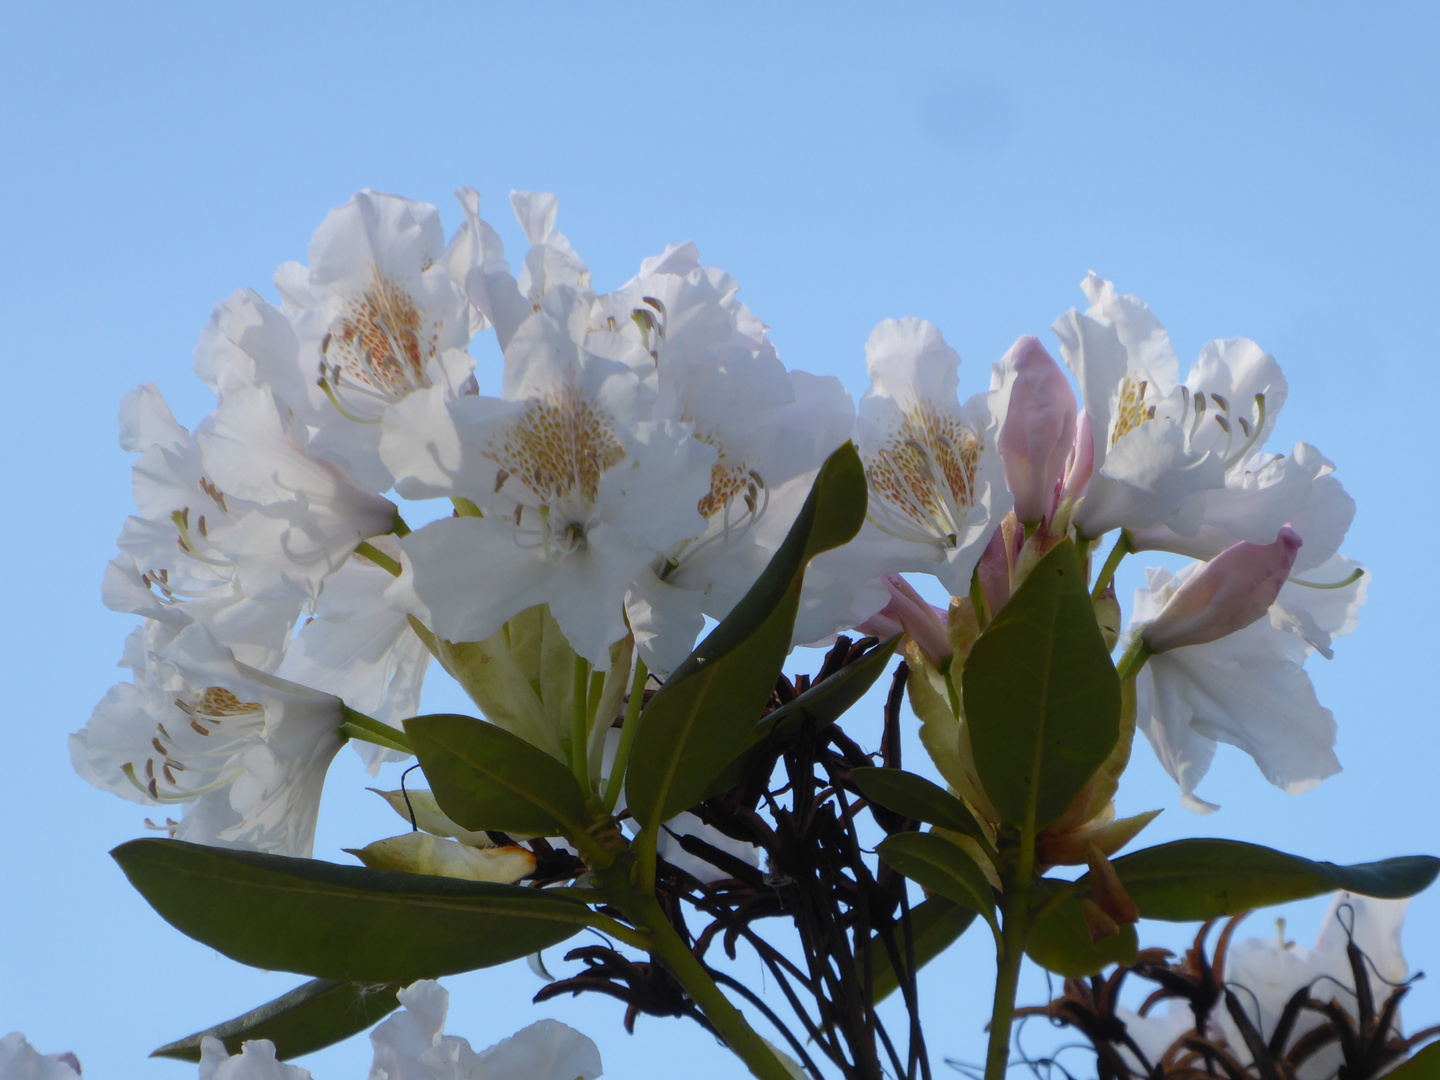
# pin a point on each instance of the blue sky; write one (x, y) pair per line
(1261, 173)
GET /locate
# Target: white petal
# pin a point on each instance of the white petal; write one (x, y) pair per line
(546, 1050)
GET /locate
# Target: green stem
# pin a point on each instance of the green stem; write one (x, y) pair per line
(465, 508)
(977, 601)
(356, 725)
(1015, 912)
(627, 736)
(1123, 546)
(398, 526)
(1134, 658)
(579, 725)
(367, 550)
(727, 1020)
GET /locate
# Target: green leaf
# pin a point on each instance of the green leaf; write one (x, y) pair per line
(918, 799)
(934, 926)
(311, 1017)
(484, 777)
(1423, 1066)
(940, 867)
(1042, 700)
(1060, 942)
(831, 697)
(707, 711)
(821, 705)
(1193, 880)
(342, 922)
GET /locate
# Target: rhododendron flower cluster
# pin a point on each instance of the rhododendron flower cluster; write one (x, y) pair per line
(556, 527)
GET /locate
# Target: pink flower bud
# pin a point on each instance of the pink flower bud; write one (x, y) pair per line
(1039, 429)
(997, 565)
(1081, 462)
(1231, 591)
(908, 612)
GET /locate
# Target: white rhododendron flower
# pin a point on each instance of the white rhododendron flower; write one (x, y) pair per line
(358, 647)
(378, 314)
(410, 1046)
(197, 723)
(1248, 689)
(936, 479)
(580, 491)
(1152, 447)
(174, 565)
(715, 371)
(21, 1061)
(256, 1061)
(1273, 970)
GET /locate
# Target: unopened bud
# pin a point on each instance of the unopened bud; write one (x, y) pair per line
(1107, 615)
(1081, 462)
(908, 612)
(421, 853)
(1231, 591)
(1039, 430)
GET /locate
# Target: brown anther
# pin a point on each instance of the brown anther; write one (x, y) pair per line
(501, 475)
(198, 728)
(1224, 424)
(1244, 426)
(1224, 405)
(200, 525)
(159, 747)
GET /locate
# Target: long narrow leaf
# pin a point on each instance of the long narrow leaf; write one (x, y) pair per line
(311, 1017)
(345, 923)
(1193, 880)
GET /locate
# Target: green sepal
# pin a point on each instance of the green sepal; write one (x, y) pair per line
(918, 799)
(935, 925)
(483, 777)
(1042, 701)
(311, 1017)
(940, 867)
(707, 711)
(345, 923)
(1194, 880)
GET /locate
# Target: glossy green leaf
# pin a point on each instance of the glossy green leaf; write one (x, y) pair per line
(820, 706)
(311, 1017)
(1423, 1066)
(1193, 880)
(342, 922)
(1060, 942)
(833, 696)
(484, 777)
(1042, 700)
(942, 868)
(916, 798)
(934, 926)
(707, 711)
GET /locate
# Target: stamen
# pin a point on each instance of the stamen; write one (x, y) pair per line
(1355, 575)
